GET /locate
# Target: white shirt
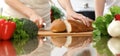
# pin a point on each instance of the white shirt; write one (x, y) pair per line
(41, 7)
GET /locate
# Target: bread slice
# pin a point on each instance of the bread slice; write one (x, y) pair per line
(77, 26)
(58, 26)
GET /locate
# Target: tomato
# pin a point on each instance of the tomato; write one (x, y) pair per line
(117, 16)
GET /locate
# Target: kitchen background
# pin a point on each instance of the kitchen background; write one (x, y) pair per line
(76, 6)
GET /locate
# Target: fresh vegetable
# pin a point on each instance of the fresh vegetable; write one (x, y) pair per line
(114, 28)
(30, 27)
(101, 46)
(117, 17)
(7, 29)
(56, 13)
(114, 45)
(7, 49)
(115, 10)
(24, 27)
(1, 22)
(25, 30)
(100, 26)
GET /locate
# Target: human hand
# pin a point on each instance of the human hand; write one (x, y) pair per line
(37, 19)
(75, 16)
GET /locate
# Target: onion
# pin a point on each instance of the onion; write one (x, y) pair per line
(114, 28)
(114, 45)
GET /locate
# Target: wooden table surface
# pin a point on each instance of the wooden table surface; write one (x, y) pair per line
(49, 33)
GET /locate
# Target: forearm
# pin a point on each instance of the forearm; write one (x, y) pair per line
(71, 14)
(99, 7)
(21, 8)
(66, 5)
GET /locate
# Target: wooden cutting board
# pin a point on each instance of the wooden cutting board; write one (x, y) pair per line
(49, 33)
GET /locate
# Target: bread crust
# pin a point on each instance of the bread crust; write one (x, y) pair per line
(78, 26)
(58, 26)
(70, 26)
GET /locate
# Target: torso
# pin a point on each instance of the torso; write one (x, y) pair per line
(41, 7)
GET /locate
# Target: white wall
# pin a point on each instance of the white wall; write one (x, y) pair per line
(1, 5)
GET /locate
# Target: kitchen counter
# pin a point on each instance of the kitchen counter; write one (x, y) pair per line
(49, 48)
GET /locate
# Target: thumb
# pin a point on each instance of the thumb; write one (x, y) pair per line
(40, 23)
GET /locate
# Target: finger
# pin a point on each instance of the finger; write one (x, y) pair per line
(71, 18)
(87, 21)
(40, 23)
(37, 23)
(84, 20)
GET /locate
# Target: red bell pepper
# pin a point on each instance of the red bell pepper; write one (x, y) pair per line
(7, 49)
(1, 23)
(7, 29)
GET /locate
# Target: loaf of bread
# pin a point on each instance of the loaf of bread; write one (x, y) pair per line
(77, 26)
(69, 26)
(58, 26)
(72, 42)
(58, 41)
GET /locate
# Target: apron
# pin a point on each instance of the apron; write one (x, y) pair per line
(41, 7)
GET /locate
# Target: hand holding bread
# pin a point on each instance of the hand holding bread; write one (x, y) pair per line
(69, 26)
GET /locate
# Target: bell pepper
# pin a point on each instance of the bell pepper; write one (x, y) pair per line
(7, 49)
(7, 29)
(1, 23)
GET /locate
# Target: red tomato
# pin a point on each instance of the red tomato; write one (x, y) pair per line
(117, 16)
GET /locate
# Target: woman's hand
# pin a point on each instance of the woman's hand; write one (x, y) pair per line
(37, 19)
(75, 16)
